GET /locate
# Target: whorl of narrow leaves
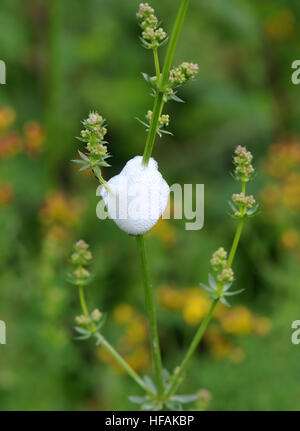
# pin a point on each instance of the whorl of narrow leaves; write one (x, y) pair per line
(93, 136)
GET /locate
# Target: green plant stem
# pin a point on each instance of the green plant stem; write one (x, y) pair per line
(173, 42)
(161, 83)
(156, 63)
(157, 110)
(104, 343)
(235, 242)
(237, 236)
(101, 340)
(205, 322)
(155, 348)
(196, 340)
(82, 301)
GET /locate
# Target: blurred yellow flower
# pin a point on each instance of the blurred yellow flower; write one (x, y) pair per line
(195, 307)
(165, 232)
(59, 209)
(170, 298)
(237, 320)
(10, 145)
(6, 194)
(262, 326)
(123, 313)
(136, 332)
(139, 359)
(280, 25)
(290, 239)
(33, 137)
(7, 118)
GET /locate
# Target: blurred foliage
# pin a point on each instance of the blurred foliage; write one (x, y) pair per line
(60, 65)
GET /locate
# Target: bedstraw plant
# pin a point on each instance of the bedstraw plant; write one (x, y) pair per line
(159, 391)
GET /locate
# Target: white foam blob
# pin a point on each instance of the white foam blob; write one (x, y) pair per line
(138, 196)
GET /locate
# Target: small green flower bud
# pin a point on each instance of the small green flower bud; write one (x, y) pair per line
(81, 273)
(226, 276)
(81, 255)
(182, 73)
(243, 167)
(82, 320)
(219, 260)
(96, 315)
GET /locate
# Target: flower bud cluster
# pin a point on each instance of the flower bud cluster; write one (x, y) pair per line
(93, 135)
(184, 72)
(242, 203)
(243, 167)
(152, 35)
(94, 317)
(81, 257)
(219, 264)
(164, 120)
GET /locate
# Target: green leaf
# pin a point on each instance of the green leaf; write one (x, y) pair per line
(83, 156)
(104, 164)
(212, 281)
(78, 161)
(147, 406)
(142, 122)
(164, 42)
(253, 211)
(166, 375)
(232, 206)
(84, 168)
(165, 132)
(235, 292)
(137, 400)
(184, 398)
(206, 287)
(223, 300)
(83, 337)
(144, 43)
(174, 406)
(81, 330)
(101, 322)
(176, 98)
(150, 384)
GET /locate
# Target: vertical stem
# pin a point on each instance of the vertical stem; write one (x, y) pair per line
(101, 340)
(82, 301)
(161, 83)
(156, 63)
(237, 235)
(104, 343)
(173, 42)
(155, 348)
(235, 242)
(157, 110)
(192, 348)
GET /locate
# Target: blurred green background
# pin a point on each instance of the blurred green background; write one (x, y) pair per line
(65, 58)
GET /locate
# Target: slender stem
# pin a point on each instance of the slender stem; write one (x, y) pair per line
(104, 343)
(82, 301)
(102, 181)
(173, 42)
(101, 340)
(237, 235)
(161, 82)
(235, 242)
(156, 63)
(157, 110)
(192, 348)
(205, 322)
(155, 348)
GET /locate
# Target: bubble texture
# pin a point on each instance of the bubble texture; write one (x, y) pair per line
(139, 196)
